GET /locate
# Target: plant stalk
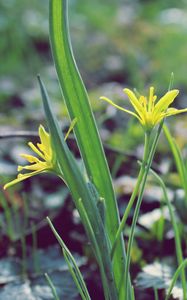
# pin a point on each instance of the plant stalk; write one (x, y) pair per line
(176, 233)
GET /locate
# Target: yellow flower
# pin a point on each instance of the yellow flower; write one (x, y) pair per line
(147, 110)
(44, 163)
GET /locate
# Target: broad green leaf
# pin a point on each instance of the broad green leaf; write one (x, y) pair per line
(86, 132)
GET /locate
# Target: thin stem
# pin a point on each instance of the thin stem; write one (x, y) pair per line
(24, 255)
(53, 289)
(133, 196)
(137, 208)
(156, 294)
(73, 268)
(179, 161)
(34, 248)
(179, 269)
(176, 233)
(23, 237)
(8, 217)
(95, 247)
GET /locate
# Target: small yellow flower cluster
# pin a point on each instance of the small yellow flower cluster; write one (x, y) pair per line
(37, 165)
(46, 160)
(149, 111)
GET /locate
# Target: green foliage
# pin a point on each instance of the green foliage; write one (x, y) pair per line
(78, 106)
(113, 41)
(87, 208)
(74, 270)
(134, 50)
(18, 46)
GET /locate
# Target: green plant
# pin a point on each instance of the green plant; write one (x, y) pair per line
(93, 194)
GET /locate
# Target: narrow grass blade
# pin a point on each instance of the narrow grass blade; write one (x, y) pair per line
(74, 270)
(174, 279)
(86, 132)
(156, 294)
(178, 246)
(8, 216)
(34, 249)
(53, 289)
(179, 161)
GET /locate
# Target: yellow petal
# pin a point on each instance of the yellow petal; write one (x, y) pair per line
(41, 147)
(174, 111)
(165, 101)
(35, 149)
(158, 118)
(45, 145)
(35, 167)
(19, 168)
(120, 108)
(44, 137)
(135, 102)
(46, 152)
(30, 158)
(19, 178)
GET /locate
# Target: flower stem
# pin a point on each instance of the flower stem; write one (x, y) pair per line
(174, 279)
(51, 285)
(176, 233)
(133, 196)
(151, 152)
(156, 294)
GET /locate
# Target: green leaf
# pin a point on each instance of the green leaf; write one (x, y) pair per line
(73, 268)
(179, 161)
(86, 132)
(79, 190)
(51, 285)
(175, 276)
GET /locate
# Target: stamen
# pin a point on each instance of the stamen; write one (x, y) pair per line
(151, 99)
(143, 101)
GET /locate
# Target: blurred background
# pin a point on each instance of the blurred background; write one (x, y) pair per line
(117, 44)
(134, 43)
